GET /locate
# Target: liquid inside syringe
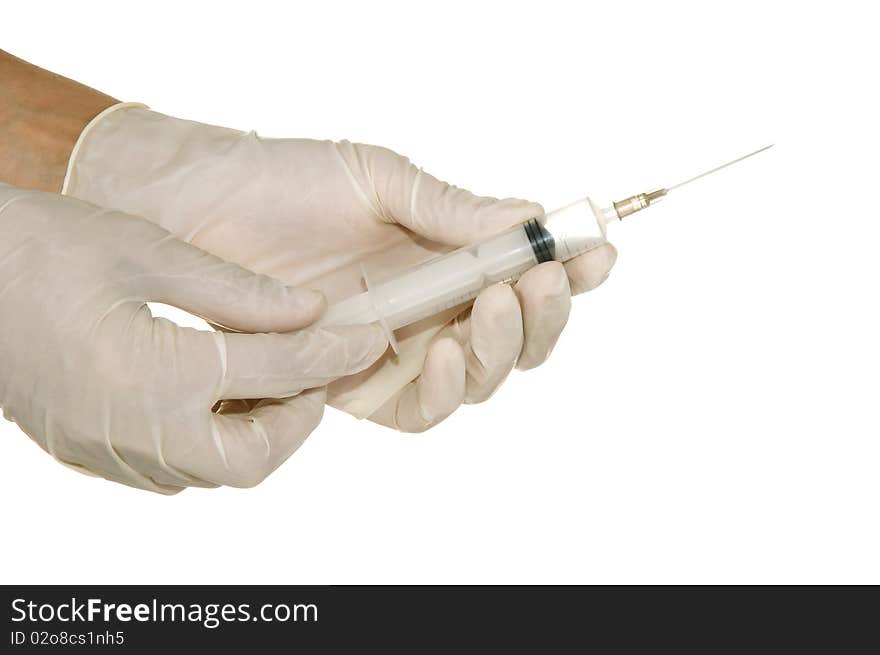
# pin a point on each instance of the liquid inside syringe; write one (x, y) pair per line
(458, 277)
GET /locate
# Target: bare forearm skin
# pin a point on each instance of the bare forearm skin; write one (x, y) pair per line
(41, 116)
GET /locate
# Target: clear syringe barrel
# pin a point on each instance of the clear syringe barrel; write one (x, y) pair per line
(458, 277)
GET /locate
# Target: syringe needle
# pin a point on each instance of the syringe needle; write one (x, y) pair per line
(718, 168)
(640, 201)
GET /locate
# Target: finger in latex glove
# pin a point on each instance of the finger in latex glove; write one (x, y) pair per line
(316, 215)
(507, 327)
(106, 388)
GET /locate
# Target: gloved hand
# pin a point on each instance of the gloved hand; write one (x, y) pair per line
(312, 213)
(94, 379)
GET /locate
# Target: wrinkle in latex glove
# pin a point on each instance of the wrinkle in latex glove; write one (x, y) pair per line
(91, 376)
(313, 214)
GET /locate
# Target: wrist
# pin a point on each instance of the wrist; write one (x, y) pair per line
(42, 116)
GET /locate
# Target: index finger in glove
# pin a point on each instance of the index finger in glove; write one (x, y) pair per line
(399, 191)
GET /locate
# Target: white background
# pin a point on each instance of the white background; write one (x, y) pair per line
(710, 414)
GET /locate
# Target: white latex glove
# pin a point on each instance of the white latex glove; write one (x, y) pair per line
(95, 380)
(311, 213)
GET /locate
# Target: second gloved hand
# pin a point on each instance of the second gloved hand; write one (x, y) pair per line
(312, 214)
(108, 389)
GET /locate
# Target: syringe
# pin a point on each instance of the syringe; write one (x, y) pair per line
(456, 278)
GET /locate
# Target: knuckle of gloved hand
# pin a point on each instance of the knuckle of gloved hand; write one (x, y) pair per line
(384, 157)
(378, 162)
(497, 305)
(544, 290)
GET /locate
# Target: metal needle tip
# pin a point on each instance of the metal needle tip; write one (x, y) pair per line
(718, 168)
(640, 201)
